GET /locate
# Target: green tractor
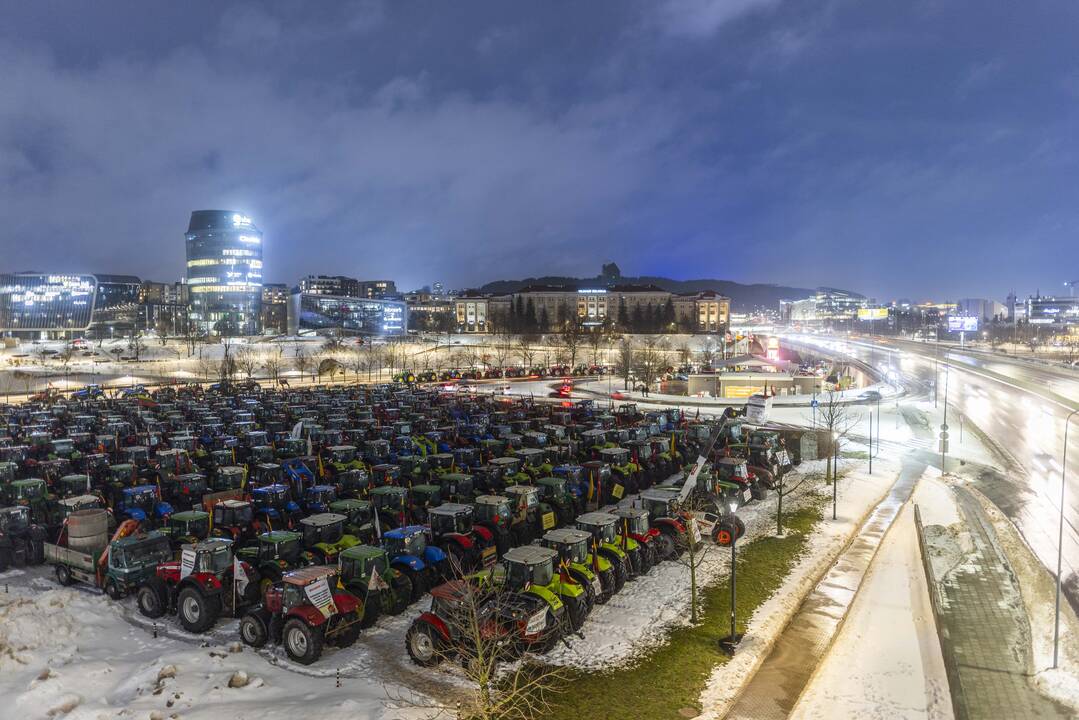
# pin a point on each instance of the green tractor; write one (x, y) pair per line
(531, 516)
(594, 573)
(32, 493)
(390, 503)
(625, 474)
(603, 527)
(555, 492)
(510, 471)
(388, 593)
(360, 519)
(456, 487)
(186, 528)
(494, 513)
(534, 462)
(275, 553)
(324, 536)
(531, 570)
(421, 499)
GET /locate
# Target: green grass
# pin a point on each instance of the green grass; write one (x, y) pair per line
(673, 675)
(854, 455)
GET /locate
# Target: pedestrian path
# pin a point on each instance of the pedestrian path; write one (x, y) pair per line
(781, 678)
(985, 632)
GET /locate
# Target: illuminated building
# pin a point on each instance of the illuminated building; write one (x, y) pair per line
(345, 315)
(224, 273)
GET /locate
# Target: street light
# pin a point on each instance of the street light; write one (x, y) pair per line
(835, 472)
(729, 643)
(1060, 537)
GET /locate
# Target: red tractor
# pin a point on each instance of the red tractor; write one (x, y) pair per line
(303, 612)
(199, 586)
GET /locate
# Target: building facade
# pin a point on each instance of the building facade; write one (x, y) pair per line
(40, 304)
(224, 273)
(163, 308)
(345, 315)
(828, 307)
(275, 297)
(704, 312)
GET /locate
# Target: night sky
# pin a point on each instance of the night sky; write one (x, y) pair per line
(901, 149)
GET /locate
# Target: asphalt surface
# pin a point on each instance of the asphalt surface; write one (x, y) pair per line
(1021, 406)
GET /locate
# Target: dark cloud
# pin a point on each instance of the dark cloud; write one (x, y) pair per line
(915, 151)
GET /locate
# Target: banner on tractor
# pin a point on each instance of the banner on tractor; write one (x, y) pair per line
(320, 596)
(187, 562)
(239, 576)
(694, 530)
(376, 583)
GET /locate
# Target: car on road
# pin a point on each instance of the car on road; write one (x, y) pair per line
(871, 396)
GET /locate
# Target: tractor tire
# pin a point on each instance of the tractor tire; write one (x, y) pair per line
(112, 589)
(666, 546)
(6, 558)
(576, 610)
(63, 574)
(372, 608)
(303, 643)
(153, 598)
(197, 611)
(621, 572)
(765, 476)
(36, 553)
(551, 636)
(648, 557)
(254, 630)
(347, 637)
(401, 597)
(417, 585)
(728, 529)
(607, 582)
(458, 561)
(425, 645)
(759, 490)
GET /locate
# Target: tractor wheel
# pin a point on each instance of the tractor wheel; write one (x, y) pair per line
(36, 556)
(401, 596)
(621, 572)
(425, 645)
(666, 547)
(765, 476)
(63, 574)
(153, 598)
(759, 490)
(728, 529)
(112, 589)
(196, 611)
(254, 630)
(648, 559)
(417, 584)
(551, 636)
(576, 611)
(372, 609)
(302, 642)
(5, 558)
(347, 637)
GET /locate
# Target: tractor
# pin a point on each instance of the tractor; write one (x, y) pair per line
(409, 553)
(593, 572)
(555, 492)
(143, 504)
(274, 553)
(605, 542)
(318, 498)
(493, 512)
(187, 528)
(273, 504)
(234, 519)
(536, 570)
(388, 594)
(510, 470)
(21, 541)
(534, 462)
(626, 475)
(421, 499)
(467, 546)
(635, 527)
(324, 536)
(659, 503)
(531, 517)
(304, 611)
(360, 519)
(385, 474)
(199, 586)
(456, 487)
(391, 505)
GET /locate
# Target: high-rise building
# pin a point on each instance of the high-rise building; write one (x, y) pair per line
(224, 272)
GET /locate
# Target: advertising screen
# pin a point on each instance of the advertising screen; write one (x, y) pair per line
(962, 323)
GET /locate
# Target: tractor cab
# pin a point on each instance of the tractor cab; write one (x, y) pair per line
(731, 481)
(278, 547)
(596, 482)
(555, 492)
(264, 474)
(274, 502)
(424, 497)
(142, 503)
(495, 513)
(189, 489)
(440, 462)
(385, 474)
(376, 451)
(187, 527)
(510, 469)
(457, 487)
(317, 498)
(228, 477)
(72, 485)
(488, 477)
(343, 454)
(391, 504)
(359, 517)
(138, 455)
(123, 474)
(464, 457)
(528, 566)
(532, 459)
(635, 528)
(408, 550)
(232, 518)
(291, 447)
(324, 536)
(261, 454)
(356, 565)
(134, 559)
(450, 518)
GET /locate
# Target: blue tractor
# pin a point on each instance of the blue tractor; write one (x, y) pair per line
(143, 504)
(274, 503)
(424, 566)
(317, 498)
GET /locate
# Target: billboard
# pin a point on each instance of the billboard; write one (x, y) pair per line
(962, 323)
(872, 313)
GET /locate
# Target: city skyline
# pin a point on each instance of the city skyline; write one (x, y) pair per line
(755, 141)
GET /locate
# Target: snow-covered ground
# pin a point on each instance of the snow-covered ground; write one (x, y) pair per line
(72, 653)
(903, 677)
(858, 493)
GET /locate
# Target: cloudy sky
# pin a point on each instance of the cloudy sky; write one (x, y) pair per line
(919, 149)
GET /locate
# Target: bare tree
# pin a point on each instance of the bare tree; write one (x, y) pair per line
(708, 348)
(570, 337)
(227, 367)
(526, 349)
(356, 360)
(650, 360)
(685, 354)
(246, 361)
(301, 360)
(694, 547)
(597, 340)
(834, 417)
(273, 365)
(136, 344)
(625, 360)
(502, 349)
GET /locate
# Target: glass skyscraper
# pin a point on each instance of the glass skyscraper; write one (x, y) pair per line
(224, 272)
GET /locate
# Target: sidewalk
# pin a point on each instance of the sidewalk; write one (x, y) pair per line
(598, 388)
(984, 629)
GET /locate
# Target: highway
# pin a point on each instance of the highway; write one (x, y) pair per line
(1020, 405)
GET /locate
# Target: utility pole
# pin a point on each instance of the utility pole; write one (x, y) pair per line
(1060, 539)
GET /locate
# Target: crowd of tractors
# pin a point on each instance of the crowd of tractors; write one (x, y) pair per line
(308, 514)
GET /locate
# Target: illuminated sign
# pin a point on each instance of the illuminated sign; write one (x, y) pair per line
(592, 291)
(872, 313)
(240, 220)
(962, 323)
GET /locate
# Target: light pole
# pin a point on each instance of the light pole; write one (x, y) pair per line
(1060, 538)
(835, 472)
(944, 424)
(729, 643)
